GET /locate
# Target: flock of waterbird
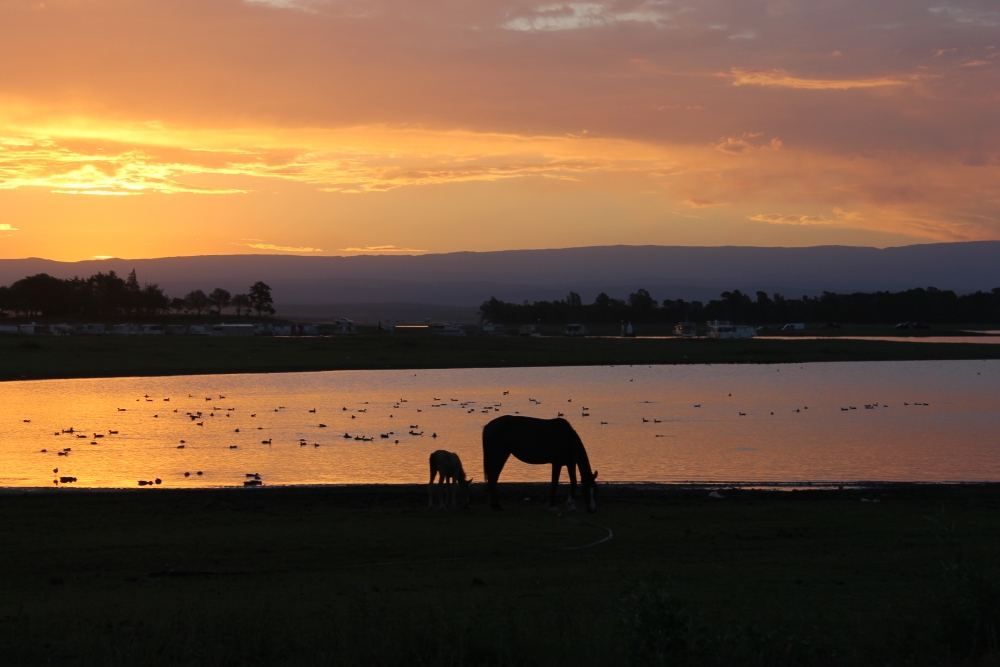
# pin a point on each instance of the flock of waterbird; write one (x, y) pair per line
(198, 417)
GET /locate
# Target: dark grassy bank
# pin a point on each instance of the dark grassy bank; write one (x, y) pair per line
(28, 357)
(266, 577)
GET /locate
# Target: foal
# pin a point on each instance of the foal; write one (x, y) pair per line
(448, 467)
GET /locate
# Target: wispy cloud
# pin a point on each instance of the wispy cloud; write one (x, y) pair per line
(280, 248)
(776, 219)
(746, 142)
(8, 228)
(781, 79)
(381, 249)
(577, 15)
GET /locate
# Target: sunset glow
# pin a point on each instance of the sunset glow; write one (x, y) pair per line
(341, 127)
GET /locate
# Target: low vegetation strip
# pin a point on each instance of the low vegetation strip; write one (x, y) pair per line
(890, 575)
(27, 357)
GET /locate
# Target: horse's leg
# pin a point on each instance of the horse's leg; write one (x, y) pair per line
(442, 491)
(430, 489)
(493, 467)
(571, 469)
(556, 469)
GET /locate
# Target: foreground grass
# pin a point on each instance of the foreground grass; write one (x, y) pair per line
(268, 577)
(27, 357)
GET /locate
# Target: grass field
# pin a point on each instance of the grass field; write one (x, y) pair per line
(330, 576)
(29, 357)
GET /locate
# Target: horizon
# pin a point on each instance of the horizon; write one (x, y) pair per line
(497, 250)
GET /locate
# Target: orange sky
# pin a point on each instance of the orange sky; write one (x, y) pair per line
(142, 128)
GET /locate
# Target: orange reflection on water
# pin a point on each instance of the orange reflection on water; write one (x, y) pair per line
(754, 423)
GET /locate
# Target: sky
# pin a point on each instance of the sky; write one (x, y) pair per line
(143, 128)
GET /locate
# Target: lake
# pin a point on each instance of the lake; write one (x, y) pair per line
(927, 421)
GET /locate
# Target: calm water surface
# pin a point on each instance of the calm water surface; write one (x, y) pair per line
(793, 427)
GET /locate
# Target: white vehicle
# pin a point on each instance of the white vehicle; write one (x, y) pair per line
(686, 330)
(442, 329)
(575, 330)
(793, 327)
(718, 329)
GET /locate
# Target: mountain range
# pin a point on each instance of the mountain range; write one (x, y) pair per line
(463, 280)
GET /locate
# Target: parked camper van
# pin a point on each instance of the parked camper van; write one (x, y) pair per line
(575, 330)
(444, 329)
(719, 329)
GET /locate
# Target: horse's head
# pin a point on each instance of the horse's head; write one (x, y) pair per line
(463, 490)
(590, 491)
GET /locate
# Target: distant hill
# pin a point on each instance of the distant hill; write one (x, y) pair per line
(468, 278)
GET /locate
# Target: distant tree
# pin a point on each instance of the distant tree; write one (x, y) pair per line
(641, 301)
(260, 298)
(107, 293)
(133, 298)
(241, 302)
(197, 301)
(4, 300)
(220, 298)
(153, 299)
(178, 305)
(573, 300)
(38, 294)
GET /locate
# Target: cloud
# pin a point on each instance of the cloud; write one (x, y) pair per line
(975, 63)
(578, 15)
(381, 249)
(744, 143)
(775, 219)
(102, 256)
(65, 168)
(699, 203)
(840, 215)
(7, 228)
(779, 78)
(281, 248)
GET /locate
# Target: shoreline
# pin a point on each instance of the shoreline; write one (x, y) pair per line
(28, 358)
(521, 487)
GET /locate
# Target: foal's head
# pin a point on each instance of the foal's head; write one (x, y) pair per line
(589, 483)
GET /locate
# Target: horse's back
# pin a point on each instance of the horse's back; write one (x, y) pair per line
(530, 439)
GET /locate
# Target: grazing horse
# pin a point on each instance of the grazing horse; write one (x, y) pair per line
(448, 467)
(538, 441)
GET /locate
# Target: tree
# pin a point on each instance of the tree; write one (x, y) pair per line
(241, 302)
(641, 301)
(197, 301)
(573, 300)
(178, 305)
(220, 298)
(133, 298)
(153, 299)
(260, 298)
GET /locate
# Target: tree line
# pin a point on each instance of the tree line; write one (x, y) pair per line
(107, 294)
(931, 305)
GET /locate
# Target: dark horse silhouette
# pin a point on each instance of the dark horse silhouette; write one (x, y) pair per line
(537, 441)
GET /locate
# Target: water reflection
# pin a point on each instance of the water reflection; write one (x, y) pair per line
(928, 421)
